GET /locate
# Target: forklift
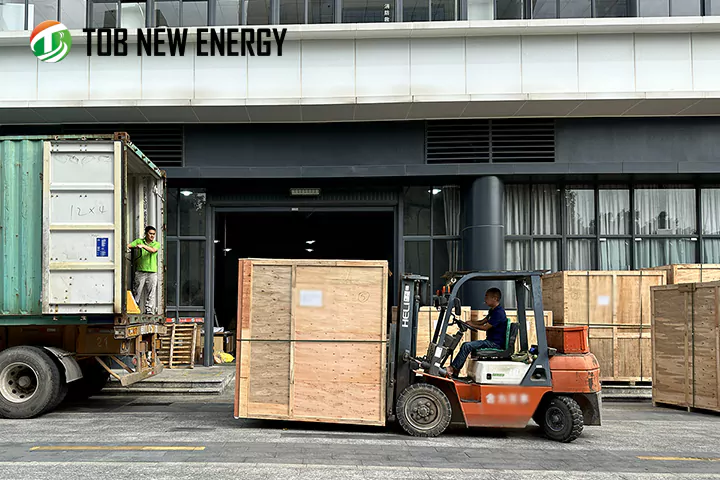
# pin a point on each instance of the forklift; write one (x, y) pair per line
(560, 392)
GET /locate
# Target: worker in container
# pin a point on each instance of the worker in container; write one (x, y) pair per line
(146, 267)
(495, 324)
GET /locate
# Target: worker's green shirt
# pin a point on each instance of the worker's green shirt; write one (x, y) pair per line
(147, 262)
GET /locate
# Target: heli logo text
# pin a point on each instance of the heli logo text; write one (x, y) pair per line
(50, 41)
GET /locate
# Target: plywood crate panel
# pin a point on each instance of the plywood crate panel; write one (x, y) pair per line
(624, 353)
(686, 345)
(312, 340)
(689, 272)
(619, 298)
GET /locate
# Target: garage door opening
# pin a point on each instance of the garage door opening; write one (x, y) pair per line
(336, 235)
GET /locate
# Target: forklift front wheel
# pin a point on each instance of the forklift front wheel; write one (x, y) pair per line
(423, 410)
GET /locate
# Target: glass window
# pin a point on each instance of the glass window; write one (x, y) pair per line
(132, 15)
(547, 255)
(167, 13)
(581, 254)
(41, 10)
(661, 211)
(446, 257)
(192, 273)
(446, 210)
(172, 280)
(517, 210)
(544, 8)
(292, 12)
(685, 8)
(257, 12)
(506, 9)
(227, 13)
(172, 211)
(614, 207)
(192, 211)
(654, 252)
(614, 254)
(546, 210)
(712, 7)
(416, 10)
(575, 9)
(72, 13)
(711, 250)
(367, 11)
(443, 10)
(517, 254)
(417, 258)
(710, 204)
(579, 212)
(611, 8)
(417, 210)
(103, 14)
(321, 11)
(653, 8)
(194, 14)
(12, 15)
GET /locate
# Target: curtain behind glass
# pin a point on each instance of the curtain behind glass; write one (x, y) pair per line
(546, 210)
(660, 211)
(710, 204)
(517, 210)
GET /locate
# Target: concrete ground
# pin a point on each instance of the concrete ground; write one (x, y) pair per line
(196, 436)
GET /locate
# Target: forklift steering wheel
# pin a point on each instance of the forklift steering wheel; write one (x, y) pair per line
(457, 320)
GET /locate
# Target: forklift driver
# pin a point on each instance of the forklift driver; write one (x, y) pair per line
(495, 324)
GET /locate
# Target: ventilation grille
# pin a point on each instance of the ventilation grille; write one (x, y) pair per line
(490, 141)
(162, 144)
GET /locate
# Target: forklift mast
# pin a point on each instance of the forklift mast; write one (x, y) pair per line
(414, 293)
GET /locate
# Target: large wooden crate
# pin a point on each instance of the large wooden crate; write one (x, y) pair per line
(689, 272)
(624, 353)
(619, 298)
(312, 340)
(686, 345)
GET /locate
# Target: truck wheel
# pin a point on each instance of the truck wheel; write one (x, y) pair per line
(423, 410)
(29, 382)
(562, 420)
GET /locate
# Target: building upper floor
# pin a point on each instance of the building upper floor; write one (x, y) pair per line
(78, 14)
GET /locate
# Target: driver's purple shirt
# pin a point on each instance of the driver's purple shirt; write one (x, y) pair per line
(498, 319)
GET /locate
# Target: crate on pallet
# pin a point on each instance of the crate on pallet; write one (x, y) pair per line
(178, 346)
(686, 345)
(312, 340)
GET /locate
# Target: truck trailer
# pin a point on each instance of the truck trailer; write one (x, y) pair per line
(69, 207)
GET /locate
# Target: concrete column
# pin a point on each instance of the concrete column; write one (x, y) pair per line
(484, 237)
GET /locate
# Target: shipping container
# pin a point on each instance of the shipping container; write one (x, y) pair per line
(69, 207)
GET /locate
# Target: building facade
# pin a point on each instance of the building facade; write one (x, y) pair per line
(440, 135)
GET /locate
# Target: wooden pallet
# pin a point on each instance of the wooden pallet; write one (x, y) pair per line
(177, 347)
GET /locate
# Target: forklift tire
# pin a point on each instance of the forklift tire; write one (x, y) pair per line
(30, 382)
(562, 419)
(423, 410)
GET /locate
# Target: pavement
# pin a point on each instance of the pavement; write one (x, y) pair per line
(194, 436)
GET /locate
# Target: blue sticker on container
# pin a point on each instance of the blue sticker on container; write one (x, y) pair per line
(102, 247)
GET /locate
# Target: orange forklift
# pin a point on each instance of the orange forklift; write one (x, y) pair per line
(504, 389)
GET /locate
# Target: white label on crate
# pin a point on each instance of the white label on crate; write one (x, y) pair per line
(603, 300)
(311, 298)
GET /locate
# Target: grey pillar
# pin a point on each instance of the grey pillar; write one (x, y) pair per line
(484, 237)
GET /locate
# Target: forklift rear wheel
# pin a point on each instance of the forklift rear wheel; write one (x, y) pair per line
(423, 410)
(562, 419)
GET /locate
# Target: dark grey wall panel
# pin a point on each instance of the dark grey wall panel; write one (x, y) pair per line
(661, 140)
(319, 144)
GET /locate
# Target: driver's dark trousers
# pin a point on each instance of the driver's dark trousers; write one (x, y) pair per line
(465, 350)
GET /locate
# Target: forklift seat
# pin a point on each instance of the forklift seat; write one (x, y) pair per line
(493, 353)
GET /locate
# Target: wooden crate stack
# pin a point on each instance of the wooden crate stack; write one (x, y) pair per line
(312, 340)
(615, 305)
(686, 345)
(178, 346)
(689, 272)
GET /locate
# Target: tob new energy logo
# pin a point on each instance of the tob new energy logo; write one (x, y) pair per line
(50, 41)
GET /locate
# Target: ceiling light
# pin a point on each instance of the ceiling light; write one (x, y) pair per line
(312, 192)
(186, 193)
(309, 249)
(435, 191)
(310, 242)
(217, 241)
(226, 249)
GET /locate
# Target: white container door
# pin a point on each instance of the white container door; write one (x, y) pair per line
(81, 227)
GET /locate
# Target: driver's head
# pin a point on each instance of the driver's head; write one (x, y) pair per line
(492, 297)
